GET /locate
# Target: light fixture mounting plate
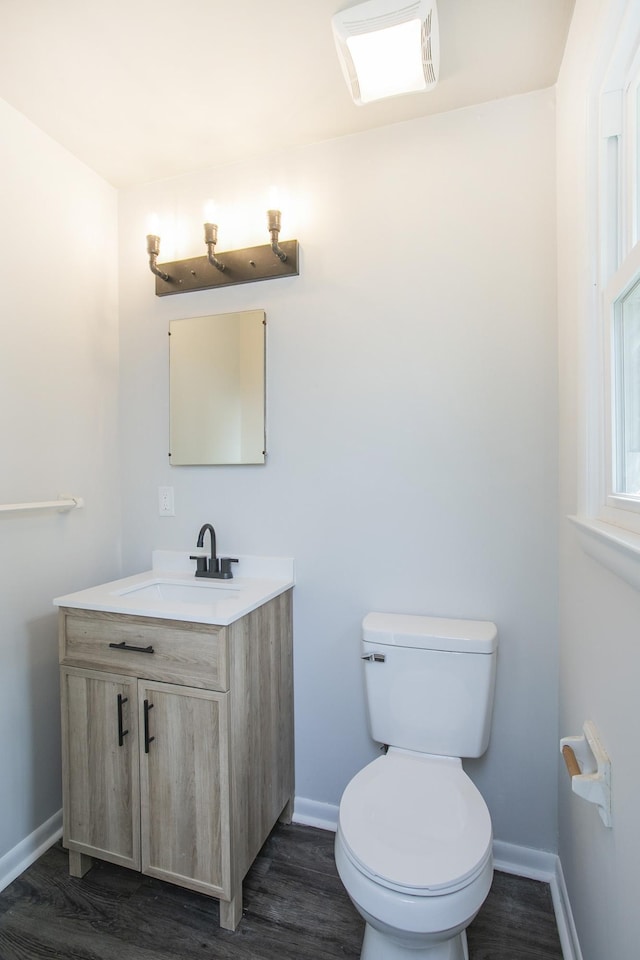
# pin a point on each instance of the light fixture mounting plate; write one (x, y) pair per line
(241, 266)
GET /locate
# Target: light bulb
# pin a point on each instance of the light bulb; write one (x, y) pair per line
(274, 199)
(210, 212)
(153, 225)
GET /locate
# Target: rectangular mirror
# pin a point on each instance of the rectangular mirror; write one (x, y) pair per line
(217, 389)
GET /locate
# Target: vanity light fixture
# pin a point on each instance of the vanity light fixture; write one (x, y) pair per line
(236, 266)
(388, 48)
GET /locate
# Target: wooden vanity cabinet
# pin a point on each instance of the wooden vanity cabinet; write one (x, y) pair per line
(178, 753)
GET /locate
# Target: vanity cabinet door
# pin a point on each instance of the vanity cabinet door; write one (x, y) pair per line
(184, 785)
(101, 790)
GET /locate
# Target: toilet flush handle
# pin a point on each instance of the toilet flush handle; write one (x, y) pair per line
(375, 657)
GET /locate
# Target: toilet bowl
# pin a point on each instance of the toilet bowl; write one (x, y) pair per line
(413, 850)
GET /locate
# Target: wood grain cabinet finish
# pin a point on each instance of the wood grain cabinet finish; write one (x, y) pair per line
(102, 797)
(177, 762)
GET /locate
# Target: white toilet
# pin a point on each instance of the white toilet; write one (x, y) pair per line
(413, 845)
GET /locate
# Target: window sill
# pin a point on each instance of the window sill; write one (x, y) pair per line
(615, 548)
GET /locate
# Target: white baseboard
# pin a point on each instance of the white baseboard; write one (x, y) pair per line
(524, 861)
(507, 857)
(16, 861)
(311, 813)
(564, 917)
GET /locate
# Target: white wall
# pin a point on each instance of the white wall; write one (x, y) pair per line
(599, 648)
(411, 416)
(58, 405)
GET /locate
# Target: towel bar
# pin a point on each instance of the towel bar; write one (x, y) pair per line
(62, 505)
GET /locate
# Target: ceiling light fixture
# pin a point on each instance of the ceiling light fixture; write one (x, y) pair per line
(388, 48)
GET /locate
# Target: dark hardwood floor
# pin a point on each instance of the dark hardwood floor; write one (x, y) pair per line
(295, 908)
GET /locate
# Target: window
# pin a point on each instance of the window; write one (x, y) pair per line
(619, 270)
(609, 520)
(625, 400)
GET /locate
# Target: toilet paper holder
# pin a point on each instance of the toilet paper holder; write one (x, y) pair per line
(589, 767)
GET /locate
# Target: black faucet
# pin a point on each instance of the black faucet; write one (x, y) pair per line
(212, 567)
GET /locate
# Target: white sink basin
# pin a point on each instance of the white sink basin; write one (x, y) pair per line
(207, 592)
(172, 592)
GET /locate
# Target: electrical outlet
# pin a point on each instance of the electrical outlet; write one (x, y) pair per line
(165, 502)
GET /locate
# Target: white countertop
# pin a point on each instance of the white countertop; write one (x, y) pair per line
(256, 580)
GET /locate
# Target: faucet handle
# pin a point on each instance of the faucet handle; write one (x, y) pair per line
(225, 567)
(202, 563)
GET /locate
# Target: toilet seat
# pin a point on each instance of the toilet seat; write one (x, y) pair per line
(415, 823)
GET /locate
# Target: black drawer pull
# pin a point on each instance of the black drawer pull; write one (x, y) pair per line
(147, 739)
(121, 733)
(126, 646)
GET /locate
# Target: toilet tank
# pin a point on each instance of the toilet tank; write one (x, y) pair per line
(430, 682)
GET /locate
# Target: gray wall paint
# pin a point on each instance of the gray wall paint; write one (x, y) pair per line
(412, 416)
(58, 422)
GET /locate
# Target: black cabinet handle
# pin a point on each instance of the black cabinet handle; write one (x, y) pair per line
(126, 646)
(121, 733)
(147, 739)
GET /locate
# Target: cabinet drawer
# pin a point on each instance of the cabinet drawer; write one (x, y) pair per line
(194, 654)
